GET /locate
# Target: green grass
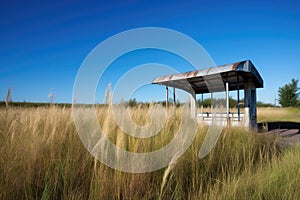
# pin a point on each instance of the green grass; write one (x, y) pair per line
(42, 157)
(278, 179)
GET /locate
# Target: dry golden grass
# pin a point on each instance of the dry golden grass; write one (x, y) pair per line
(278, 114)
(42, 157)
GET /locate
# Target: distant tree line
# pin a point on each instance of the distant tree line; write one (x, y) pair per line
(133, 102)
(288, 97)
(33, 104)
(233, 103)
(208, 102)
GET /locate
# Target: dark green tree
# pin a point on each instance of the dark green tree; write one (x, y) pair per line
(132, 102)
(289, 94)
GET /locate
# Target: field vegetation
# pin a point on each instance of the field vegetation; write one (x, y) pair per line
(42, 157)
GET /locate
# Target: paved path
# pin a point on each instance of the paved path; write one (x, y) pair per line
(289, 131)
(289, 136)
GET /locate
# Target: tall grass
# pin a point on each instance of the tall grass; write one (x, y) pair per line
(42, 157)
(278, 114)
(278, 179)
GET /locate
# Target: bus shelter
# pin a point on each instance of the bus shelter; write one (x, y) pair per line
(230, 77)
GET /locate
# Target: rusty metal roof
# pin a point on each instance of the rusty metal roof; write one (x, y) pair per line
(213, 79)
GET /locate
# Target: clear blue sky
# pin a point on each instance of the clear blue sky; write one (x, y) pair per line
(43, 43)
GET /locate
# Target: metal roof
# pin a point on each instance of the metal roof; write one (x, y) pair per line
(213, 79)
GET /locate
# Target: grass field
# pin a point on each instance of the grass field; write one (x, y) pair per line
(42, 157)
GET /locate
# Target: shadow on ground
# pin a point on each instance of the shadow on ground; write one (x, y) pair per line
(288, 131)
(269, 126)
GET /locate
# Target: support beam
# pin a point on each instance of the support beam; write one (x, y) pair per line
(238, 98)
(202, 106)
(193, 105)
(167, 97)
(174, 101)
(227, 100)
(247, 103)
(250, 105)
(253, 109)
(211, 102)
